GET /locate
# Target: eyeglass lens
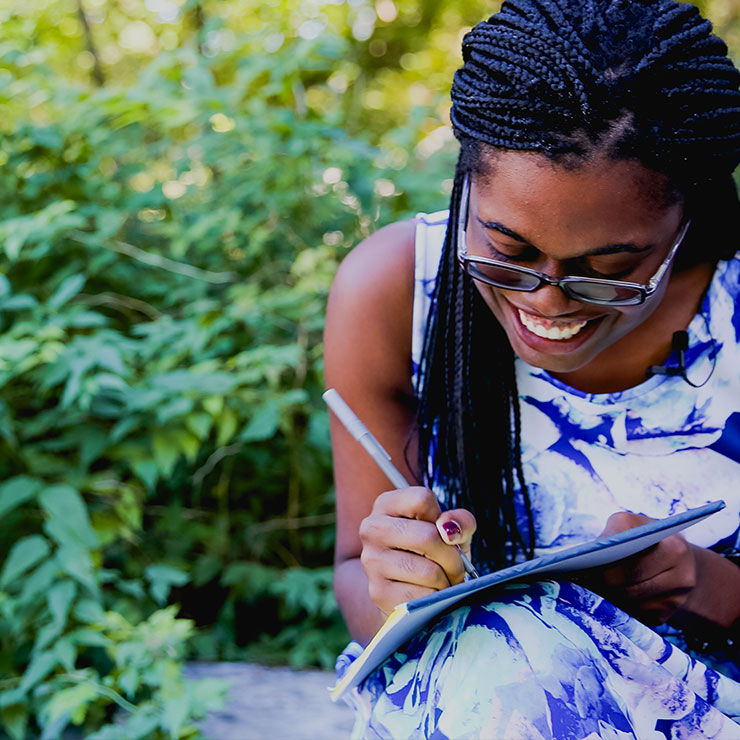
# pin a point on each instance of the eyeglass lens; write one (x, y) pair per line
(504, 277)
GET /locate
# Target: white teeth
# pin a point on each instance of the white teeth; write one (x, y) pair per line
(561, 331)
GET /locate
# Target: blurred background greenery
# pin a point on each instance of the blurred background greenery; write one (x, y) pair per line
(180, 180)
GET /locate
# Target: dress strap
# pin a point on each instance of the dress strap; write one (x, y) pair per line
(430, 236)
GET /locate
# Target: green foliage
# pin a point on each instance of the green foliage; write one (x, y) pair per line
(64, 658)
(167, 249)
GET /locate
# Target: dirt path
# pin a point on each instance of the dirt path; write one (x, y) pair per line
(274, 704)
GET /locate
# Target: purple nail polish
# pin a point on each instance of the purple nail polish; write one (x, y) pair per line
(452, 529)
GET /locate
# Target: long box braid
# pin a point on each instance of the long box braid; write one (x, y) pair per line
(632, 79)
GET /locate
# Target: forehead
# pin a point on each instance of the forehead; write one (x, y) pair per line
(601, 202)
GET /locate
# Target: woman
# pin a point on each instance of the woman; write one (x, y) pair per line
(522, 358)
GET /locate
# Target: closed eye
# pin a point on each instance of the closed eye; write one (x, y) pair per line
(587, 271)
(526, 253)
(578, 267)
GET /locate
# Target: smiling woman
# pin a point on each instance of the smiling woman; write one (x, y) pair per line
(503, 351)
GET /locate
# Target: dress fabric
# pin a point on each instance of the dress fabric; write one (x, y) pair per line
(552, 659)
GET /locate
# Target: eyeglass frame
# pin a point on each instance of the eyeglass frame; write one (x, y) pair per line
(645, 290)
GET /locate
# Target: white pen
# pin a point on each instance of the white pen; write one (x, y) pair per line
(362, 434)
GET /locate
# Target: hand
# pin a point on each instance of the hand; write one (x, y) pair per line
(651, 585)
(403, 551)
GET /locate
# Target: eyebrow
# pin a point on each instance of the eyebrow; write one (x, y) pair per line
(608, 249)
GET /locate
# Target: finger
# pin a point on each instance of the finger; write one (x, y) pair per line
(415, 502)
(663, 586)
(389, 594)
(411, 535)
(671, 555)
(403, 566)
(620, 521)
(399, 533)
(457, 527)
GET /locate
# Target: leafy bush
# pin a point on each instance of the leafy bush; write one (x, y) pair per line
(167, 250)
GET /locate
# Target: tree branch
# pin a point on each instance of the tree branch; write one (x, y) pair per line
(164, 263)
(97, 70)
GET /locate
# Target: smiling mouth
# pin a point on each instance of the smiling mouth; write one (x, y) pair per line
(548, 329)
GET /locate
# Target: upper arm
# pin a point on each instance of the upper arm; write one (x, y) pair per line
(367, 359)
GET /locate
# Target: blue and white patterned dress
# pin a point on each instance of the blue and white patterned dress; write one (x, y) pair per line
(552, 659)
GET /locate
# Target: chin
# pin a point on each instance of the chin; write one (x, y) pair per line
(554, 363)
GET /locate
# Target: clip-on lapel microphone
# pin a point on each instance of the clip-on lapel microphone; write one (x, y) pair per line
(679, 345)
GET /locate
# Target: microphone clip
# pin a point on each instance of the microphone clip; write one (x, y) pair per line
(679, 345)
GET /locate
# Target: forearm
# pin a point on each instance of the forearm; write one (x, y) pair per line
(362, 617)
(716, 596)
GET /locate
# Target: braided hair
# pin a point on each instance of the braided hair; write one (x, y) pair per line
(644, 80)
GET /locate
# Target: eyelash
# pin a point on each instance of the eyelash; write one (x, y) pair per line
(522, 258)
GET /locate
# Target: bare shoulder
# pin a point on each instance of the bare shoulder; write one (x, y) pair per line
(381, 264)
(368, 326)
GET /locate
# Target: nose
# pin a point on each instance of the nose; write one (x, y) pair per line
(550, 301)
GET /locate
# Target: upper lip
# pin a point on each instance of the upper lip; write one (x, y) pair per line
(556, 319)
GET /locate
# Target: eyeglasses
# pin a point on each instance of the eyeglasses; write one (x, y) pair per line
(584, 289)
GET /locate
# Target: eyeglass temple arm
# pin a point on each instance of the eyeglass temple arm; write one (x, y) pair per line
(463, 218)
(655, 280)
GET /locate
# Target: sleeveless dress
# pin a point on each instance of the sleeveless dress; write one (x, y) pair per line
(552, 659)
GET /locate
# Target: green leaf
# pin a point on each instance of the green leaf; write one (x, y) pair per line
(15, 720)
(147, 471)
(162, 578)
(16, 491)
(60, 598)
(76, 561)
(166, 451)
(176, 710)
(129, 681)
(7, 431)
(39, 581)
(89, 611)
(68, 521)
(45, 635)
(179, 406)
(69, 288)
(199, 423)
(18, 303)
(72, 701)
(227, 423)
(26, 553)
(263, 424)
(11, 696)
(65, 650)
(40, 667)
(89, 638)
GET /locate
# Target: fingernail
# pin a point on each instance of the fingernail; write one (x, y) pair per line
(452, 530)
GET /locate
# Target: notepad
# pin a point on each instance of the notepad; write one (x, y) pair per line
(411, 616)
